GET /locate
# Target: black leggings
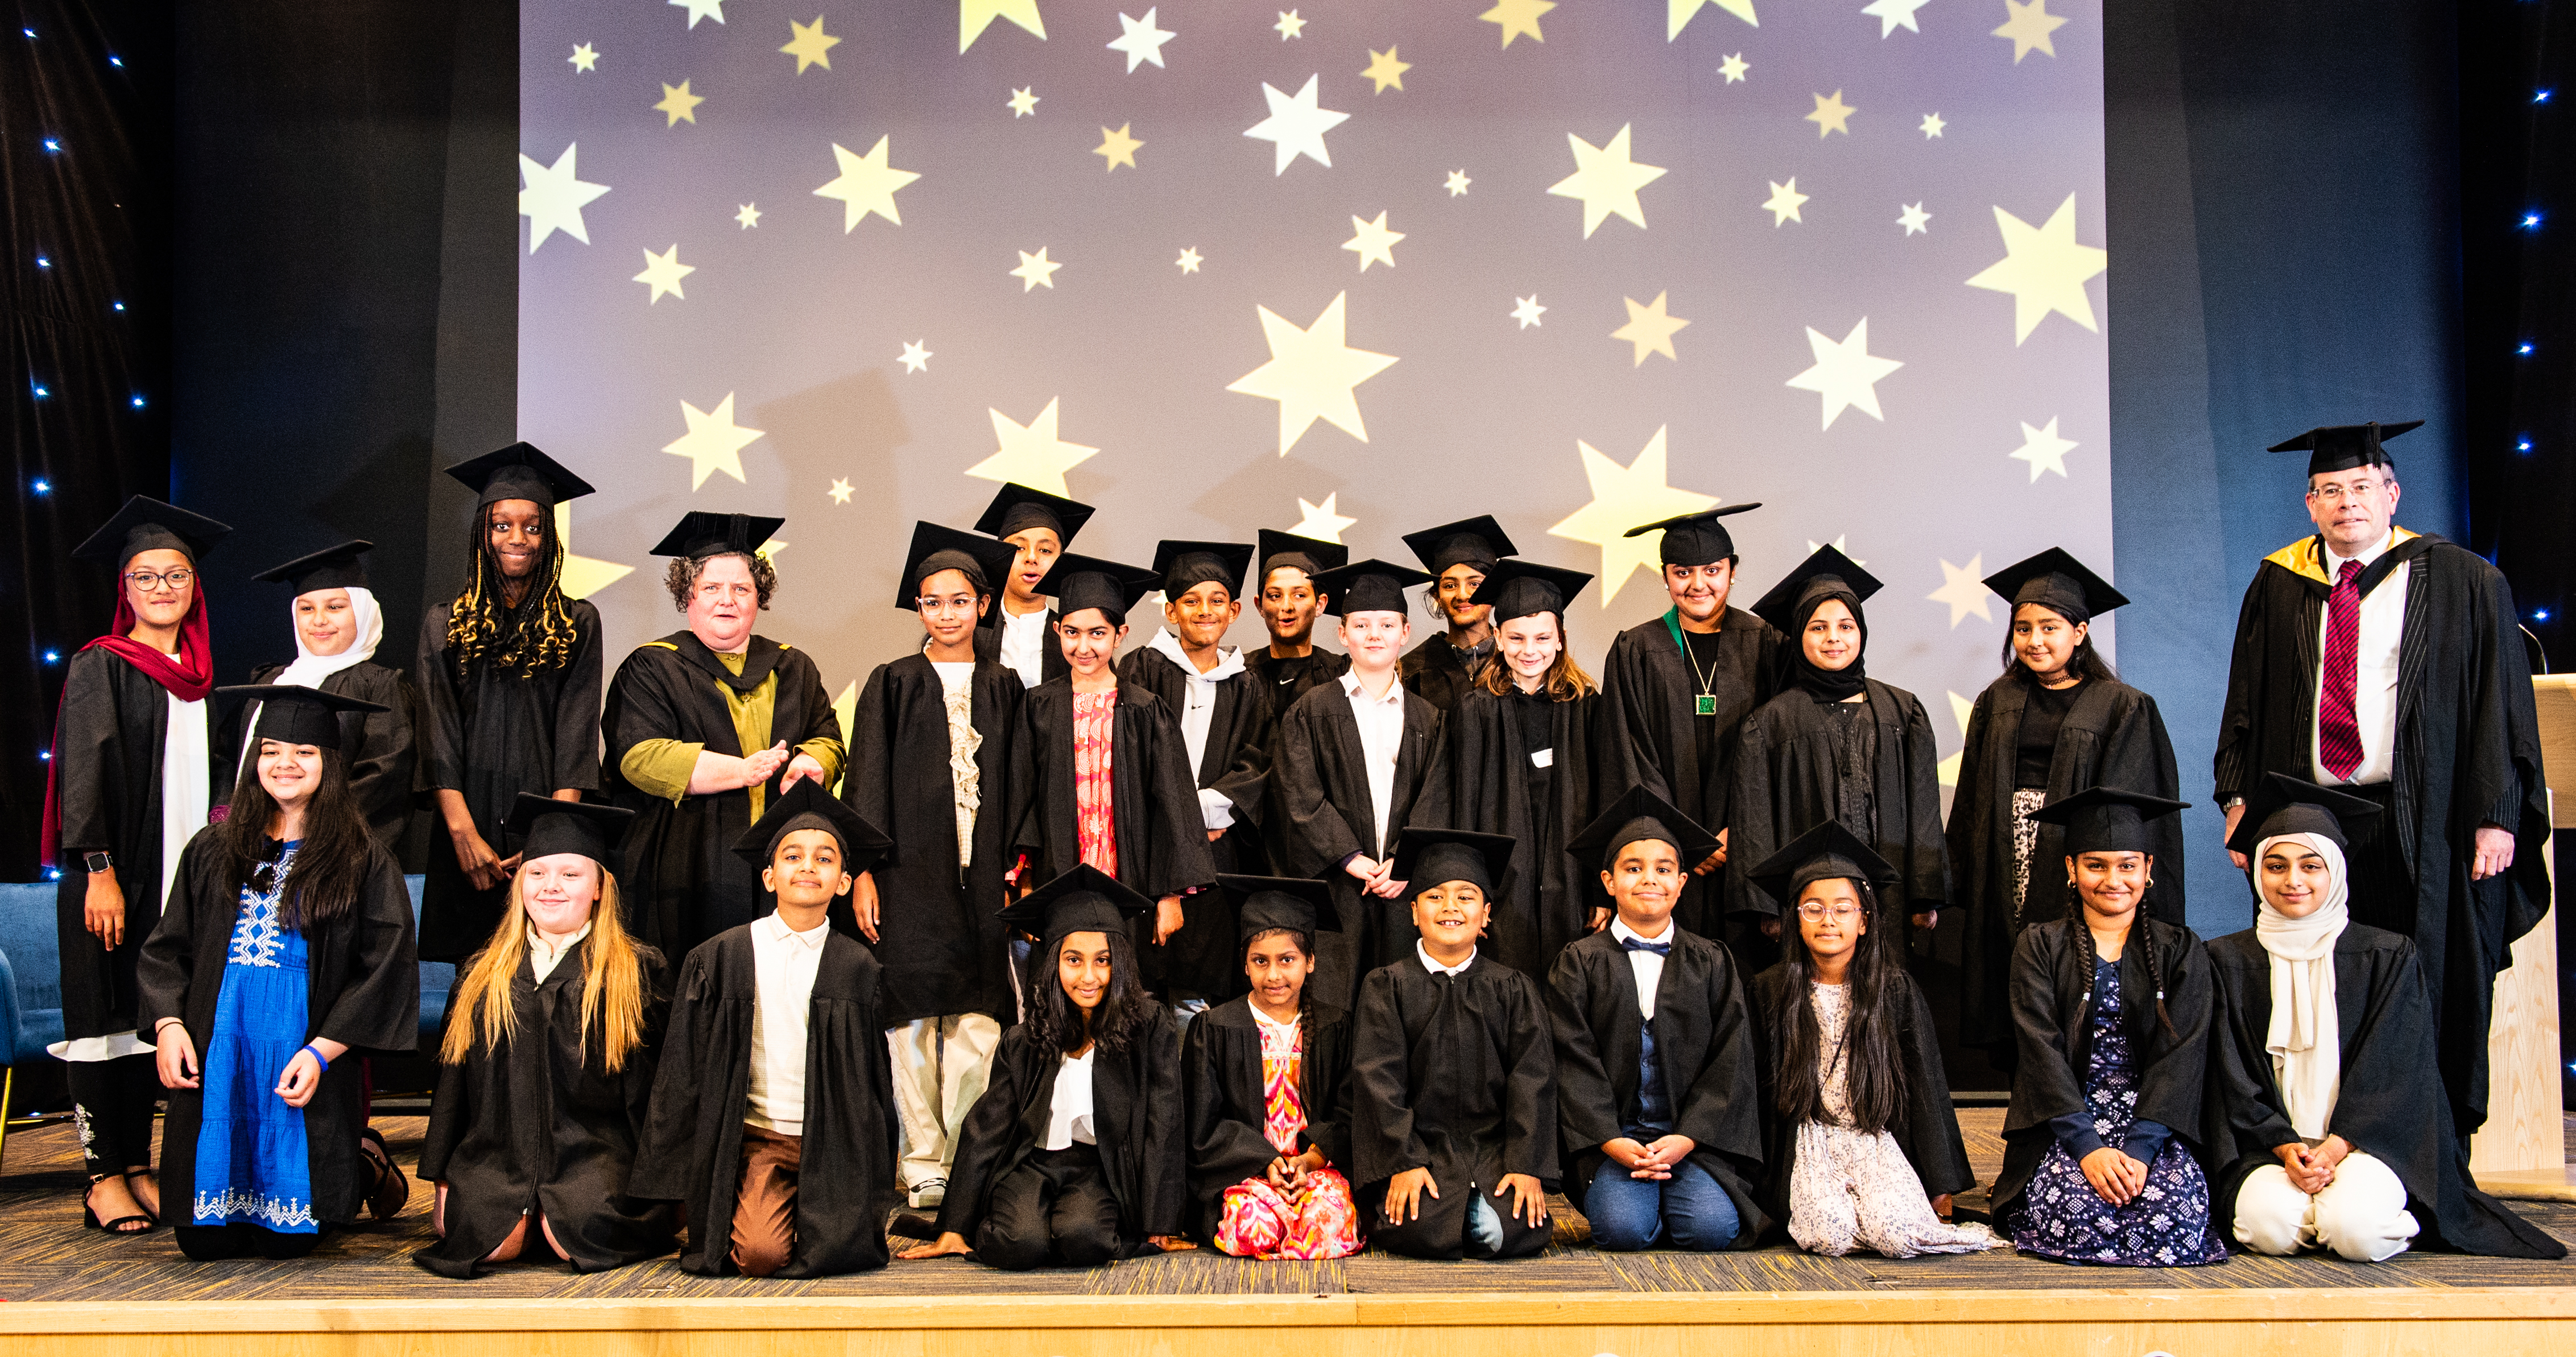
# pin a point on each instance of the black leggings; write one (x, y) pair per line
(214, 1243)
(1055, 1207)
(113, 1102)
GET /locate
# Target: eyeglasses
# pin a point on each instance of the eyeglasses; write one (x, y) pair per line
(1816, 913)
(963, 603)
(145, 580)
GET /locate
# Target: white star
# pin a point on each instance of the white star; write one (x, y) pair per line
(1948, 769)
(1932, 125)
(1894, 14)
(915, 356)
(663, 272)
(1784, 202)
(1677, 13)
(2045, 270)
(1320, 521)
(1140, 40)
(1915, 220)
(2043, 449)
(1022, 103)
(748, 215)
(554, 196)
(840, 491)
(701, 9)
(1190, 259)
(1030, 454)
(1964, 589)
(1840, 544)
(1457, 184)
(866, 184)
(1846, 374)
(713, 443)
(1373, 243)
(2029, 27)
(1528, 310)
(1606, 180)
(1290, 26)
(1733, 68)
(1036, 270)
(584, 58)
(1311, 373)
(1296, 126)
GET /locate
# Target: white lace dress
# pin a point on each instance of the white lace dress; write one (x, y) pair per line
(1857, 1191)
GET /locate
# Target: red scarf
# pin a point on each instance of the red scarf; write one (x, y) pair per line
(189, 677)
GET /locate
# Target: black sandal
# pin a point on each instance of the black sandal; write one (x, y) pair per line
(89, 1213)
(130, 1175)
(393, 1188)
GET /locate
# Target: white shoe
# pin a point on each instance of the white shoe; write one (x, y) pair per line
(923, 1195)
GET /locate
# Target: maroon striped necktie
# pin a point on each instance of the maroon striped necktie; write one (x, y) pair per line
(2338, 729)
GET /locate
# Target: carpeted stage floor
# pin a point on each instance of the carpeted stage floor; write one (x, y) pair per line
(46, 1256)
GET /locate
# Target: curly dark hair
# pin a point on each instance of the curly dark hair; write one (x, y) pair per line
(534, 638)
(1873, 1065)
(682, 577)
(1059, 1023)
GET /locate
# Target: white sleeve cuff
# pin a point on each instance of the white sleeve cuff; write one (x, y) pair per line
(1215, 809)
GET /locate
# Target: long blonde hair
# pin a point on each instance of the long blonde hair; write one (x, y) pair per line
(612, 984)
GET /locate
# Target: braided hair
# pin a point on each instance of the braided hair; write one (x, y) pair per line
(534, 638)
(2142, 930)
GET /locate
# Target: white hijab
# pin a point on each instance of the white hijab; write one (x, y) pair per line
(310, 669)
(2305, 1039)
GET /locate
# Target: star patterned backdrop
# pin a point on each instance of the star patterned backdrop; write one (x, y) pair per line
(1350, 269)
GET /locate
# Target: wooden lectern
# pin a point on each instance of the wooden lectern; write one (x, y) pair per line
(2524, 1142)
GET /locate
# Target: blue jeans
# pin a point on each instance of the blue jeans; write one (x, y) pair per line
(1686, 1211)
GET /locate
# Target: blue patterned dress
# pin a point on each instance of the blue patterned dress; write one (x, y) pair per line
(254, 1165)
(2061, 1216)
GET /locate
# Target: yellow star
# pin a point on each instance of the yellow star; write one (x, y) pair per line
(1036, 270)
(1622, 498)
(2029, 27)
(916, 356)
(748, 215)
(845, 709)
(1030, 454)
(1385, 70)
(1846, 374)
(1321, 521)
(1289, 25)
(1021, 103)
(1733, 68)
(1964, 589)
(1457, 183)
(1650, 329)
(974, 16)
(1311, 373)
(1784, 202)
(1960, 709)
(2044, 449)
(1679, 12)
(1190, 259)
(1518, 17)
(811, 46)
(679, 105)
(866, 184)
(713, 443)
(584, 58)
(583, 576)
(663, 272)
(2044, 269)
(1831, 116)
(769, 549)
(1374, 243)
(840, 491)
(1606, 180)
(1117, 147)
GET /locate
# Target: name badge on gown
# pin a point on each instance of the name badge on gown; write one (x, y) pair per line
(1705, 704)
(1542, 758)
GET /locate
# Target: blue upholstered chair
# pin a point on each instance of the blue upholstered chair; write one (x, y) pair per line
(31, 994)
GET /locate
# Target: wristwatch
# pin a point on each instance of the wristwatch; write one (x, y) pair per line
(99, 862)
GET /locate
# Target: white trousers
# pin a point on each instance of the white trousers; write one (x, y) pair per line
(940, 1066)
(2361, 1216)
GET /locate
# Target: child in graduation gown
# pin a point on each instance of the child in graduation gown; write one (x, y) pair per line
(338, 628)
(1453, 1072)
(2328, 1125)
(546, 1072)
(1290, 603)
(1076, 1153)
(1657, 1094)
(772, 1118)
(285, 952)
(1860, 1147)
(1266, 1077)
(2112, 1010)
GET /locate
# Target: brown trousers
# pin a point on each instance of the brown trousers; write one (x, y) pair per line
(764, 1207)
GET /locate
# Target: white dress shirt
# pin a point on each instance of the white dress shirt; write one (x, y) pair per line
(1198, 713)
(1024, 643)
(1423, 954)
(543, 956)
(2374, 693)
(1069, 1114)
(1381, 721)
(783, 964)
(1647, 966)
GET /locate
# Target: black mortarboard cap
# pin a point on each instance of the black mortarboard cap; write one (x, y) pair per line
(147, 524)
(1694, 539)
(1518, 588)
(544, 827)
(1084, 900)
(1370, 586)
(1828, 850)
(1018, 508)
(700, 533)
(339, 567)
(936, 548)
(294, 714)
(1826, 572)
(1303, 553)
(2341, 447)
(1425, 857)
(1079, 582)
(1640, 814)
(2055, 580)
(808, 806)
(1298, 904)
(2107, 819)
(2281, 804)
(519, 471)
(1478, 541)
(1183, 566)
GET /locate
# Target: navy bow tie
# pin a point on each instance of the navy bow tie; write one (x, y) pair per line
(1641, 945)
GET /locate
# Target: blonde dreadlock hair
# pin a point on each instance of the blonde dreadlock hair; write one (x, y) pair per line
(526, 641)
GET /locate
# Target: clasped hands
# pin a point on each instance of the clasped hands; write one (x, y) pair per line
(2312, 1168)
(1654, 1162)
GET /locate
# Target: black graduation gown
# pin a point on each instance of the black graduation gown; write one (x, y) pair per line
(2385, 1107)
(1650, 737)
(1321, 781)
(1224, 1090)
(1136, 1115)
(1292, 679)
(1546, 898)
(2467, 752)
(1704, 1039)
(692, 1152)
(1457, 1075)
(939, 939)
(1440, 673)
(683, 882)
(1205, 956)
(2113, 737)
(490, 735)
(108, 737)
(1051, 661)
(1926, 1126)
(377, 746)
(362, 989)
(1786, 783)
(540, 1124)
(2052, 996)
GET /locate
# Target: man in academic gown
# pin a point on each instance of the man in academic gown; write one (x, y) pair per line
(2387, 664)
(509, 680)
(1019, 634)
(378, 745)
(1285, 594)
(703, 727)
(1457, 555)
(1227, 726)
(844, 1168)
(1677, 688)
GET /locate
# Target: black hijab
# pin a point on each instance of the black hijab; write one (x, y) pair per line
(1826, 685)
